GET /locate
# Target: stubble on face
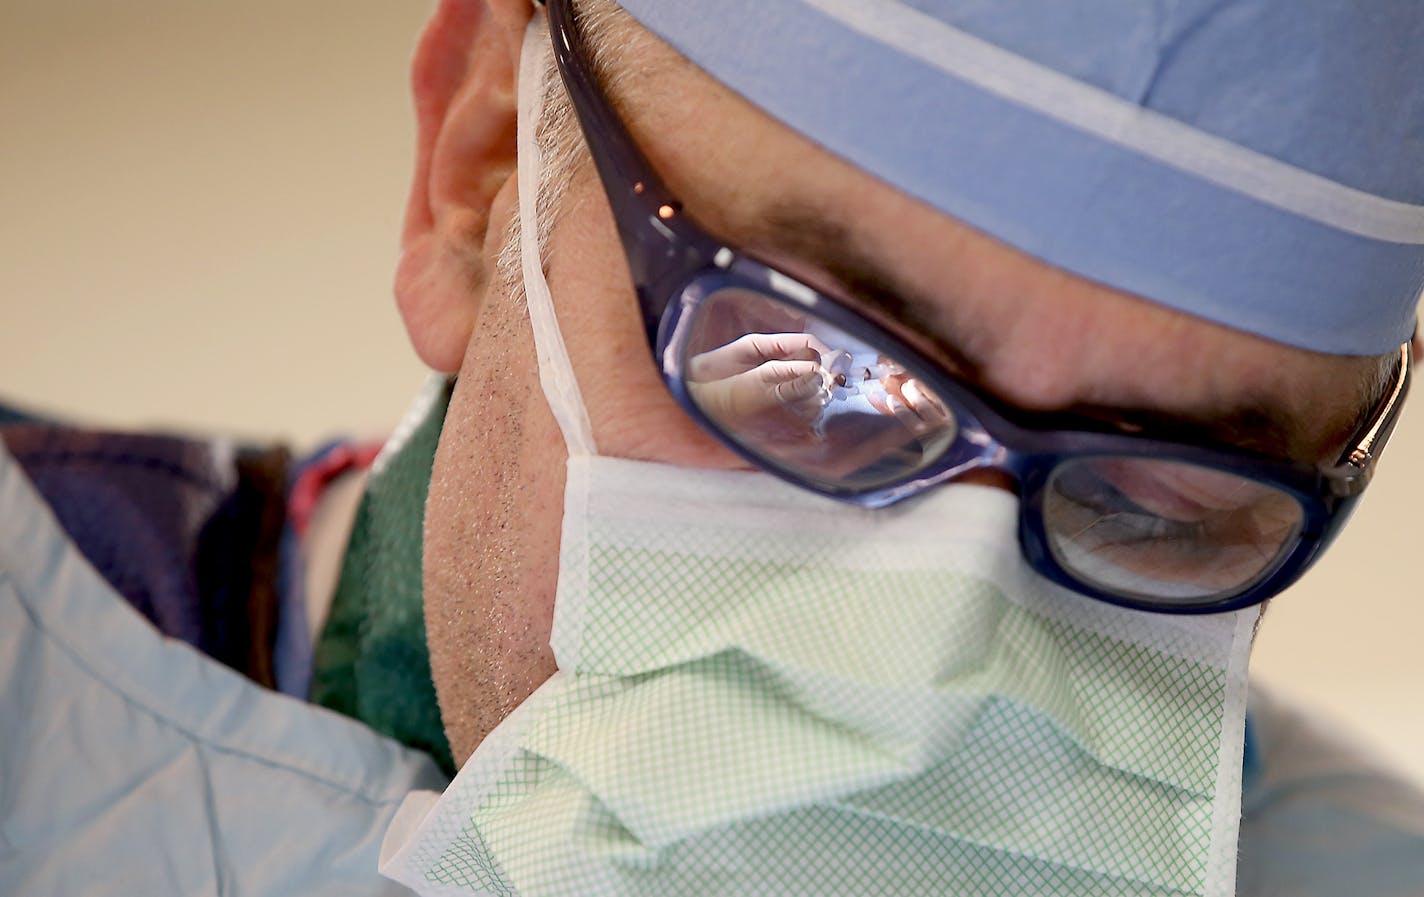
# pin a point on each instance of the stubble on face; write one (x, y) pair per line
(492, 525)
(494, 509)
(494, 514)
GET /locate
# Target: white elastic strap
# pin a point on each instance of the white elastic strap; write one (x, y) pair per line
(556, 372)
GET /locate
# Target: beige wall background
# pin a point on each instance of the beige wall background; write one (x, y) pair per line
(199, 208)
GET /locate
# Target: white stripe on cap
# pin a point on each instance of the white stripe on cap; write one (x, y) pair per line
(1098, 112)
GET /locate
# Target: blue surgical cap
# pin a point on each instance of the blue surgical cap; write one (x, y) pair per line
(1259, 163)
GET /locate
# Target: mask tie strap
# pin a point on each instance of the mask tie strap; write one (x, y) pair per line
(556, 372)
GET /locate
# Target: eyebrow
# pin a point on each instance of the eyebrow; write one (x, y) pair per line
(831, 249)
(1252, 423)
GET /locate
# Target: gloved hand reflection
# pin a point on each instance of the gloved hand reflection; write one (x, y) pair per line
(760, 376)
(898, 394)
(914, 406)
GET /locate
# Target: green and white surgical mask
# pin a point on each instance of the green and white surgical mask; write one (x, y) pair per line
(764, 692)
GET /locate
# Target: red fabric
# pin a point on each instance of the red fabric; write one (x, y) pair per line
(317, 475)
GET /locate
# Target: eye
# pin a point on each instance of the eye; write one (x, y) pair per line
(1131, 524)
(1107, 505)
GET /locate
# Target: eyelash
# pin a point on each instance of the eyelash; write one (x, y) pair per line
(1117, 509)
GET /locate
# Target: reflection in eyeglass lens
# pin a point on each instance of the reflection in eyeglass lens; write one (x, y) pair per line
(1152, 527)
(807, 396)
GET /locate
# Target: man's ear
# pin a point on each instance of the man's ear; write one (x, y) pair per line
(464, 81)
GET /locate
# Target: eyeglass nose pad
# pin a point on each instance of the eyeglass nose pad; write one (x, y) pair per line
(977, 458)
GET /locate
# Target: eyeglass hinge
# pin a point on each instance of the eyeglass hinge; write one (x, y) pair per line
(1352, 477)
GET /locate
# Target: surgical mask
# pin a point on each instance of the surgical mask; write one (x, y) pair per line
(761, 691)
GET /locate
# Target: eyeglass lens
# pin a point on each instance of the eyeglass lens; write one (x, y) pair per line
(816, 402)
(1154, 528)
(809, 397)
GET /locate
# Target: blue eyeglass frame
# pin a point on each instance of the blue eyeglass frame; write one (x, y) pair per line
(671, 257)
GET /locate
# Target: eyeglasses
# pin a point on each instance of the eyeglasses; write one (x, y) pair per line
(801, 385)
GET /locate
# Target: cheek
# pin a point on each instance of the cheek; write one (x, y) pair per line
(492, 527)
(629, 408)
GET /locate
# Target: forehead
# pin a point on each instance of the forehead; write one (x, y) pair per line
(1037, 336)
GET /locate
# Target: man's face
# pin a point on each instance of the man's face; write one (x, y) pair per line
(1034, 336)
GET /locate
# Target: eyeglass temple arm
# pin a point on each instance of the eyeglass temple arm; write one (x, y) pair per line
(649, 219)
(1356, 468)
